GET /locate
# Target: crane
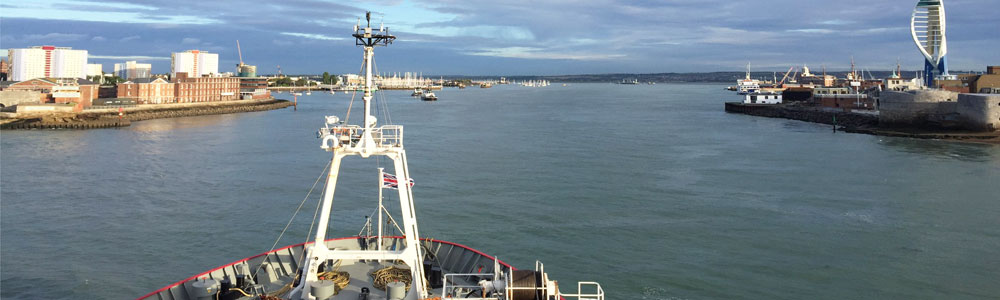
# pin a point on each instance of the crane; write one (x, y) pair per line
(279, 70)
(240, 52)
(785, 77)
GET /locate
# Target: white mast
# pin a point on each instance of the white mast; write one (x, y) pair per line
(366, 140)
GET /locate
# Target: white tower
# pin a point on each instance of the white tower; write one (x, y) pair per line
(927, 26)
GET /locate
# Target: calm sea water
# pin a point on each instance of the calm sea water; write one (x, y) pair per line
(653, 191)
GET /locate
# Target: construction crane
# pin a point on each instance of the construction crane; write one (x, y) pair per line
(279, 70)
(785, 77)
(240, 52)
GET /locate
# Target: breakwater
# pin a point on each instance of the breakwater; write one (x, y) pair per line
(107, 118)
(853, 122)
(809, 114)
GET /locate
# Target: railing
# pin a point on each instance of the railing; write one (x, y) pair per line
(461, 291)
(387, 136)
(598, 293)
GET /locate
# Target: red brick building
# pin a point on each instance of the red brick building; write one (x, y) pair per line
(205, 89)
(148, 90)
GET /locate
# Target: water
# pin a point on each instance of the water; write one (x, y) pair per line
(653, 191)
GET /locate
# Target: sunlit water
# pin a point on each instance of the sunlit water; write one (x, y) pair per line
(653, 191)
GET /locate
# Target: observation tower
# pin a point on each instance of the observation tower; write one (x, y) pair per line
(927, 26)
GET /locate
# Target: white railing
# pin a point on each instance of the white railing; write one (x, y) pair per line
(350, 135)
(597, 294)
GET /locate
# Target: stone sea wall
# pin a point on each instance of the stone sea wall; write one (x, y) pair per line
(105, 118)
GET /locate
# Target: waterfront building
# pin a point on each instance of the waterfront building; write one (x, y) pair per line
(46, 61)
(972, 83)
(762, 98)
(60, 90)
(205, 89)
(95, 70)
(195, 63)
(148, 90)
(897, 83)
(133, 70)
(245, 70)
(254, 88)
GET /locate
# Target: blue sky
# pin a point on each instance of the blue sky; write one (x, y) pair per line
(471, 37)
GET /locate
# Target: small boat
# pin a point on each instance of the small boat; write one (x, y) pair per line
(296, 94)
(309, 93)
(429, 97)
(485, 85)
(417, 92)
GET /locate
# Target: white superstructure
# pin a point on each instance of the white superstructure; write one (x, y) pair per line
(47, 61)
(133, 70)
(194, 62)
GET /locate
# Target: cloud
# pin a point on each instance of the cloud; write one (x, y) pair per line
(812, 30)
(313, 36)
(55, 37)
(98, 39)
(129, 38)
(189, 41)
(129, 57)
(540, 53)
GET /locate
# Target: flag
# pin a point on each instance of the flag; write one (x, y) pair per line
(389, 181)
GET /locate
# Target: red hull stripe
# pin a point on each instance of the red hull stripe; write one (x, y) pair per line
(302, 244)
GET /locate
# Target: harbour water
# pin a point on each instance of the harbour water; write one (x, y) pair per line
(651, 190)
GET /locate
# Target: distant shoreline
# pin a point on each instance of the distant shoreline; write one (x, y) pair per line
(106, 118)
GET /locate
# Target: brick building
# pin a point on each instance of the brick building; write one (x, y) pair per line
(148, 90)
(205, 89)
(60, 90)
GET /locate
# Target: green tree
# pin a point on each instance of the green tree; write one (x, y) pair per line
(301, 82)
(326, 77)
(334, 79)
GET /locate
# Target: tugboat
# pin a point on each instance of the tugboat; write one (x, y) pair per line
(373, 264)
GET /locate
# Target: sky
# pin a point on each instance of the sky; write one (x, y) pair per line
(498, 37)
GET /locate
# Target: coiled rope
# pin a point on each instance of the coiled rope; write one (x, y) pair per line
(382, 277)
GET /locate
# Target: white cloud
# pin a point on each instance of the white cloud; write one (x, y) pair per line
(813, 30)
(313, 36)
(98, 39)
(539, 53)
(189, 41)
(129, 38)
(55, 37)
(129, 57)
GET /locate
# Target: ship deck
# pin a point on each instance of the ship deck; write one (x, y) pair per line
(283, 263)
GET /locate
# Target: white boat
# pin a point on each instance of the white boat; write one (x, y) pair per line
(747, 85)
(428, 96)
(417, 92)
(296, 94)
(374, 264)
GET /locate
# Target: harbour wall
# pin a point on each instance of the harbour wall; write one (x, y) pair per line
(837, 117)
(940, 109)
(104, 118)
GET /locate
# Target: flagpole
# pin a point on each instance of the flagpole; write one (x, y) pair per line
(381, 184)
